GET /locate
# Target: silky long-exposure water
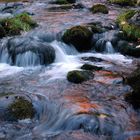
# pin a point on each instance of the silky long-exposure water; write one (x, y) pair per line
(93, 110)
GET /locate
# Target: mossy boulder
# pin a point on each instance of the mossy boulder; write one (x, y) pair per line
(124, 2)
(99, 8)
(132, 31)
(77, 76)
(14, 25)
(21, 108)
(79, 36)
(96, 27)
(90, 67)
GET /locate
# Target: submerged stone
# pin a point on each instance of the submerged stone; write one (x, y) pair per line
(28, 51)
(77, 76)
(99, 8)
(90, 67)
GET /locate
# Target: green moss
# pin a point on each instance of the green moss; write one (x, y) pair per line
(21, 109)
(77, 77)
(99, 8)
(124, 2)
(90, 67)
(14, 26)
(79, 36)
(96, 28)
(131, 30)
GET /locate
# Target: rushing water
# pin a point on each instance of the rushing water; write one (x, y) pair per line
(95, 109)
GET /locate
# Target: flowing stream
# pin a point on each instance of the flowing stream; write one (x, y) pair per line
(95, 109)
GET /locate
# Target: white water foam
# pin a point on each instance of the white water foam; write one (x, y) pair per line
(63, 62)
(7, 70)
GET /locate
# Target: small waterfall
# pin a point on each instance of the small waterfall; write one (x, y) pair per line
(27, 59)
(109, 48)
(26, 52)
(4, 56)
(22, 59)
(60, 54)
(104, 42)
(102, 45)
(64, 62)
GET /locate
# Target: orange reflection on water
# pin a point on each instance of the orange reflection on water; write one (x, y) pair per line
(106, 77)
(82, 104)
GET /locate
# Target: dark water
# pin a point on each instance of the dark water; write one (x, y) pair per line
(95, 109)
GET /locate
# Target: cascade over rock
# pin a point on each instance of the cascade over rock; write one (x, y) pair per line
(27, 51)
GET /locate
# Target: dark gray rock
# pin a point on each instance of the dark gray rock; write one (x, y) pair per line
(40, 52)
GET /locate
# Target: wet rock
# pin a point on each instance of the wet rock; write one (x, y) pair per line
(99, 8)
(2, 32)
(123, 2)
(125, 48)
(65, 7)
(96, 27)
(12, 104)
(29, 51)
(92, 59)
(79, 36)
(77, 77)
(90, 67)
(71, 1)
(60, 2)
(134, 81)
(63, 1)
